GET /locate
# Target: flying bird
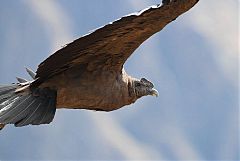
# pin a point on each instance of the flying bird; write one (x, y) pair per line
(88, 73)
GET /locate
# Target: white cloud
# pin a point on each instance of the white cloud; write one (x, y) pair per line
(122, 140)
(217, 22)
(54, 20)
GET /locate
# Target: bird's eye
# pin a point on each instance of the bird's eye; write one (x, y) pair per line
(137, 84)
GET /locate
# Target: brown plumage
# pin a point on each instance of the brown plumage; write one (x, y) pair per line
(88, 73)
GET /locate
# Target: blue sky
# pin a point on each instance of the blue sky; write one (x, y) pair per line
(193, 63)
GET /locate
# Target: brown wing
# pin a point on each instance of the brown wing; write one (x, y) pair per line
(107, 48)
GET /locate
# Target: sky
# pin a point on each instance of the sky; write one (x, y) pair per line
(193, 63)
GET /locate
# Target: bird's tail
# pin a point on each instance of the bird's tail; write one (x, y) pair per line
(26, 106)
(37, 107)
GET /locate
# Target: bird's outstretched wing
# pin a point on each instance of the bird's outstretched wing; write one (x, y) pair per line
(108, 47)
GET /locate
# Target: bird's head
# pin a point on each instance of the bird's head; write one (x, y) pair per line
(144, 88)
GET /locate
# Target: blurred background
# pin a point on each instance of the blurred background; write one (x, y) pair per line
(193, 63)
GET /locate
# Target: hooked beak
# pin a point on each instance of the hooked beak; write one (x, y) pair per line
(154, 92)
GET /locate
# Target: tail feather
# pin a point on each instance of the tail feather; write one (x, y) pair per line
(20, 111)
(30, 118)
(11, 109)
(48, 113)
(5, 102)
(36, 114)
(37, 107)
(6, 92)
(4, 88)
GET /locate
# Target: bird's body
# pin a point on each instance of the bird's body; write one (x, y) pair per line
(97, 90)
(88, 73)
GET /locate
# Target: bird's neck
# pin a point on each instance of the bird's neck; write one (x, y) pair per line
(130, 86)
